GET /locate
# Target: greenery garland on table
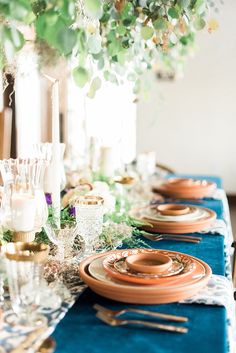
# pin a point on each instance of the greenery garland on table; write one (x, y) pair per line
(118, 228)
(118, 38)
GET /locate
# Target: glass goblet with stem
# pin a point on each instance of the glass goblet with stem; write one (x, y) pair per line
(24, 267)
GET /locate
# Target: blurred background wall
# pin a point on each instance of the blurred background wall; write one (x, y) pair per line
(191, 122)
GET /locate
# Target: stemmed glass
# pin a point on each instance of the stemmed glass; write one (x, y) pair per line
(64, 238)
(24, 271)
(24, 207)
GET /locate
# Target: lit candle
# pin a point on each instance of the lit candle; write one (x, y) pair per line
(23, 212)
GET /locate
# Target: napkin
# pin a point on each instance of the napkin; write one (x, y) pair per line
(219, 291)
(220, 227)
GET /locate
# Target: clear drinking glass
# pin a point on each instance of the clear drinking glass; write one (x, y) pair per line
(24, 265)
(67, 240)
(89, 217)
(24, 207)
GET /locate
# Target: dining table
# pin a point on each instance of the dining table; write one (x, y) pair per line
(209, 325)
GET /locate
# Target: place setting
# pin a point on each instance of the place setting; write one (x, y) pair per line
(145, 276)
(115, 226)
(185, 188)
(174, 218)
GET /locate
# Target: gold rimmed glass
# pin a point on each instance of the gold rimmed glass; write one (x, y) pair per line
(89, 217)
(24, 267)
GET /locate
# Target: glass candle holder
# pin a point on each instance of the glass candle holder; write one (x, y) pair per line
(24, 208)
(89, 217)
(44, 151)
(25, 272)
(124, 185)
(146, 164)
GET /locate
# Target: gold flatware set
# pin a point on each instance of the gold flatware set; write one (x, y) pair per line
(110, 317)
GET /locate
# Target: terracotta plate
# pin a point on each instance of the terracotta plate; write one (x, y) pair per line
(195, 213)
(143, 294)
(186, 188)
(116, 267)
(159, 226)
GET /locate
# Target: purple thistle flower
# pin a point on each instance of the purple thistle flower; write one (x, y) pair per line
(72, 211)
(48, 199)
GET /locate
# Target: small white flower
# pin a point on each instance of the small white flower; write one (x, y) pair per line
(102, 189)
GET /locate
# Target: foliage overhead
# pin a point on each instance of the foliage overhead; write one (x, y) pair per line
(118, 39)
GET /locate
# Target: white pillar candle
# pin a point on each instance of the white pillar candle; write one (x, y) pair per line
(107, 161)
(23, 212)
(56, 191)
(49, 177)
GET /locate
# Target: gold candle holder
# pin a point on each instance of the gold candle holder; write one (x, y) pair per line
(125, 180)
(22, 251)
(23, 236)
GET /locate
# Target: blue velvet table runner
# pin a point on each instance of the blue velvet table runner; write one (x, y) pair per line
(80, 331)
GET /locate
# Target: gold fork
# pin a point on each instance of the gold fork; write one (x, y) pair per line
(112, 321)
(176, 237)
(139, 311)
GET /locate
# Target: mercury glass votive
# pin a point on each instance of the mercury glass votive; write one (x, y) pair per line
(25, 272)
(89, 217)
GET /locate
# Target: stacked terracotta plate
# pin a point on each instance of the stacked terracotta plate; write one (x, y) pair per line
(174, 219)
(186, 188)
(111, 275)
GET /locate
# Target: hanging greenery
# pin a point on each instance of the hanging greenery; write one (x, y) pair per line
(118, 39)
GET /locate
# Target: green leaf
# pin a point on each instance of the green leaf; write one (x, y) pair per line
(121, 30)
(13, 41)
(114, 47)
(147, 32)
(93, 8)
(110, 77)
(95, 85)
(199, 6)
(81, 76)
(199, 23)
(66, 39)
(39, 6)
(121, 57)
(2, 61)
(17, 38)
(19, 9)
(94, 44)
(56, 33)
(183, 4)
(160, 24)
(101, 63)
(173, 13)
